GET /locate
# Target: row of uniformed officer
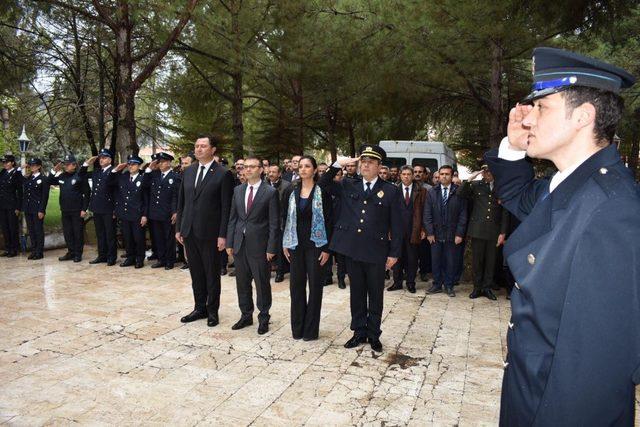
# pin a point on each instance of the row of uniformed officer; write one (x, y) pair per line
(34, 206)
(74, 202)
(10, 205)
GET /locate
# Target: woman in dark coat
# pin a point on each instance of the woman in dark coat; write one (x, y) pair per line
(308, 222)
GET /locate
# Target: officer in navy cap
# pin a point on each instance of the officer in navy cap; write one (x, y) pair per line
(574, 334)
(101, 203)
(163, 185)
(34, 206)
(368, 232)
(132, 209)
(10, 205)
(74, 202)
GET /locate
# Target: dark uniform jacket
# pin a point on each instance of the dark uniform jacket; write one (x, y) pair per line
(488, 219)
(259, 228)
(445, 224)
(102, 193)
(574, 335)
(36, 194)
(133, 201)
(11, 189)
(74, 191)
(369, 229)
(163, 194)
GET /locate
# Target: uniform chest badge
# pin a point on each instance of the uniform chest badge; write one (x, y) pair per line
(170, 180)
(39, 182)
(138, 184)
(73, 182)
(380, 194)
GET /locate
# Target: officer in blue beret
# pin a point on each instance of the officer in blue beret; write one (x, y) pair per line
(10, 205)
(163, 185)
(132, 209)
(574, 334)
(74, 202)
(34, 206)
(101, 204)
(368, 232)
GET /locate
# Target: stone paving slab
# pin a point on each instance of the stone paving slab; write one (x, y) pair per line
(104, 346)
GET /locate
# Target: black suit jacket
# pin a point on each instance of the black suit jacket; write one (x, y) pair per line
(260, 227)
(445, 224)
(204, 210)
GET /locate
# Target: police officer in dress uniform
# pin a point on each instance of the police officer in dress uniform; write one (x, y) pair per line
(74, 202)
(487, 229)
(152, 237)
(369, 233)
(10, 205)
(132, 210)
(164, 185)
(101, 203)
(34, 206)
(574, 334)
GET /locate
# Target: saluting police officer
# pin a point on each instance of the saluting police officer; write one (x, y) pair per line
(369, 214)
(164, 185)
(10, 205)
(131, 210)
(74, 201)
(574, 332)
(101, 203)
(34, 206)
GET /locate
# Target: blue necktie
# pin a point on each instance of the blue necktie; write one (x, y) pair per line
(445, 197)
(368, 190)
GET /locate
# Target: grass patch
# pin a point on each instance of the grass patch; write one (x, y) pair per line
(53, 218)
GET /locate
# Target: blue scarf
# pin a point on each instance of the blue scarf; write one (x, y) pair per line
(318, 230)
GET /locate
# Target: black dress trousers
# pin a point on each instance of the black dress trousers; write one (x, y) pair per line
(106, 235)
(73, 231)
(164, 234)
(134, 242)
(305, 313)
(35, 227)
(366, 288)
(204, 267)
(10, 230)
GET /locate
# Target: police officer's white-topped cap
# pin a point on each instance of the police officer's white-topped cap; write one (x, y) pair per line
(555, 70)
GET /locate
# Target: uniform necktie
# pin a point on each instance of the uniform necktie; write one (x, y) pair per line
(406, 196)
(445, 197)
(250, 199)
(368, 190)
(200, 175)
(131, 178)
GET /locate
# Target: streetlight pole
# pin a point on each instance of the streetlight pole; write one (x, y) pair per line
(24, 141)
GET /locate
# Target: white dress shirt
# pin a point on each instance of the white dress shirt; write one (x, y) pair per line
(373, 183)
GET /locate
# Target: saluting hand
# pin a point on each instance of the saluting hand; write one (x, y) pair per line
(344, 161)
(517, 132)
(57, 167)
(92, 160)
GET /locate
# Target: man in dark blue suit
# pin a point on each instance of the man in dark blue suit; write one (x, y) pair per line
(163, 184)
(101, 204)
(132, 210)
(574, 332)
(368, 232)
(445, 221)
(10, 205)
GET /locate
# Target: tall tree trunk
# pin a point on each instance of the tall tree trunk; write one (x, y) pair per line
(236, 103)
(352, 139)
(4, 115)
(496, 126)
(102, 140)
(332, 119)
(126, 124)
(79, 86)
(298, 99)
(635, 145)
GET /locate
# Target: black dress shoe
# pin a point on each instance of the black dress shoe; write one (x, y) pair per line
(39, 256)
(5, 254)
(193, 316)
(31, 256)
(185, 266)
(127, 263)
(242, 323)
(158, 265)
(152, 257)
(98, 261)
(279, 278)
(111, 263)
(376, 345)
(263, 327)
(77, 259)
(65, 257)
(434, 290)
(395, 287)
(309, 338)
(451, 292)
(139, 264)
(355, 341)
(489, 294)
(223, 272)
(475, 294)
(456, 283)
(12, 254)
(232, 273)
(123, 255)
(296, 337)
(168, 267)
(212, 321)
(411, 287)
(341, 284)
(329, 281)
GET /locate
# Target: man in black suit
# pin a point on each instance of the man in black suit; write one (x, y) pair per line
(368, 232)
(276, 181)
(292, 175)
(254, 213)
(10, 205)
(445, 220)
(203, 215)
